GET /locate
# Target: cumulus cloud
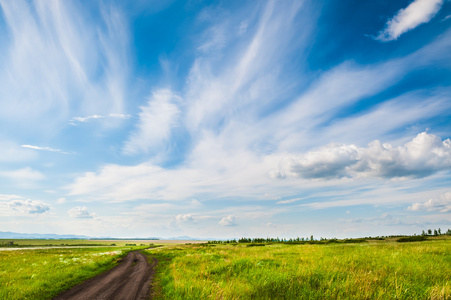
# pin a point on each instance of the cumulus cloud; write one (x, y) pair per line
(415, 14)
(228, 221)
(156, 121)
(441, 204)
(28, 206)
(80, 212)
(184, 218)
(421, 157)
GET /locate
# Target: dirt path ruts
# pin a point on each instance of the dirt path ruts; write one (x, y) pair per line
(129, 280)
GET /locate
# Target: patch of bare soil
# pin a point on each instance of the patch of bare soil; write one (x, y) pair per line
(129, 280)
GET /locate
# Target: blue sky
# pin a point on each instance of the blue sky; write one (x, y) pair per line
(223, 119)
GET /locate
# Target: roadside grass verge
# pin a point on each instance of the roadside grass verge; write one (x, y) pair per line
(43, 273)
(382, 270)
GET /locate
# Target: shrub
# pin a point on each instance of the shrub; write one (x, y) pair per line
(415, 238)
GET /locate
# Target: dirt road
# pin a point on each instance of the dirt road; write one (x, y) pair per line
(129, 280)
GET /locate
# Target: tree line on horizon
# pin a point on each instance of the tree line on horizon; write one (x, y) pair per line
(312, 240)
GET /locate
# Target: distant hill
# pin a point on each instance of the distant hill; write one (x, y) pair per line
(127, 239)
(15, 235)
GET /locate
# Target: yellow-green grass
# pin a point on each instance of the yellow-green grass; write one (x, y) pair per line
(43, 273)
(376, 270)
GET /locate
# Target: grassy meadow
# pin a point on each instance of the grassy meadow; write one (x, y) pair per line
(373, 269)
(28, 273)
(369, 270)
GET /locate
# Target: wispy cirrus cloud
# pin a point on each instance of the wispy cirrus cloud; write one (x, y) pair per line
(156, 120)
(415, 14)
(76, 120)
(239, 131)
(69, 62)
(384, 220)
(44, 149)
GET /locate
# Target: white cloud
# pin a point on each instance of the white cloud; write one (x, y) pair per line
(358, 128)
(9, 197)
(289, 201)
(423, 156)
(119, 116)
(44, 149)
(28, 206)
(80, 212)
(215, 40)
(236, 136)
(156, 120)
(69, 62)
(415, 14)
(441, 204)
(245, 81)
(195, 202)
(11, 152)
(86, 119)
(61, 200)
(75, 120)
(383, 220)
(26, 173)
(228, 221)
(184, 218)
(301, 124)
(245, 175)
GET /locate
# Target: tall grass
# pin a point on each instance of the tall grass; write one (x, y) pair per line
(42, 274)
(382, 270)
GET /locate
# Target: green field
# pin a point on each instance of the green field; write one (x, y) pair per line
(370, 270)
(374, 269)
(43, 273)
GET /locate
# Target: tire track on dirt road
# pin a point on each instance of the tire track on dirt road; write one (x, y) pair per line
(129, 280)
